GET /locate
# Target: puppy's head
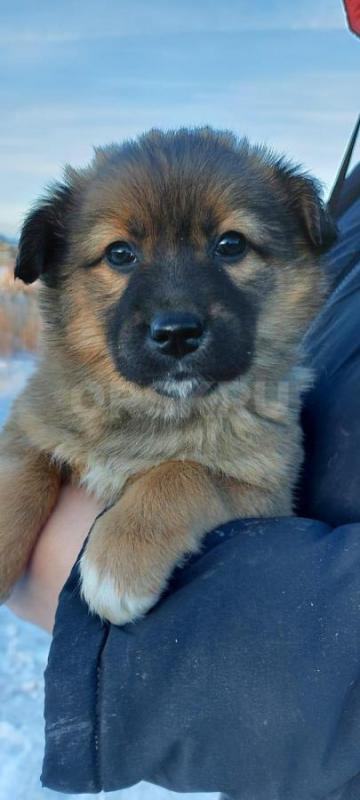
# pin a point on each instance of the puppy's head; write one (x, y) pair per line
(180, 261)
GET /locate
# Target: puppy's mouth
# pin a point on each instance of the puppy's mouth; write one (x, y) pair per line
(183, 387)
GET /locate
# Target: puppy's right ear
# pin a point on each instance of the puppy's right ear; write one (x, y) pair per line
(43, 238)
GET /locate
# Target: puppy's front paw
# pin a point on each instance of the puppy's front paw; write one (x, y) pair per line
(110, 595)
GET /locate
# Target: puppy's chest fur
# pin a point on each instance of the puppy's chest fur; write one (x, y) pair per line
(233, 442)
(104, 448)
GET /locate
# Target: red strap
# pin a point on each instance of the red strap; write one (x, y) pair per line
(352, 8)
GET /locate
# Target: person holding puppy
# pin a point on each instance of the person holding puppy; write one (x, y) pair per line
(178, 275)
(244, 677)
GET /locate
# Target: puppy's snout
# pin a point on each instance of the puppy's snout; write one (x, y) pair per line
(176, 334)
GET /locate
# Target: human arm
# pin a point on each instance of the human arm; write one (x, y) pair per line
(244, 678)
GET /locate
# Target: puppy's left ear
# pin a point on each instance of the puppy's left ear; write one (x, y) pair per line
(315, 220)
(43, 238)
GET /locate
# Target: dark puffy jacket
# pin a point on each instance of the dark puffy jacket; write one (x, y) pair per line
(245, 678)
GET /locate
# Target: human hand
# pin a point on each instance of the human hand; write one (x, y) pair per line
(35, 596)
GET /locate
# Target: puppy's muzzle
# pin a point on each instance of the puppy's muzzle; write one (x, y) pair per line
(176, 334)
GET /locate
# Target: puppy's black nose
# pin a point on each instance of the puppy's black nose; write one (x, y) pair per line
(176, 334)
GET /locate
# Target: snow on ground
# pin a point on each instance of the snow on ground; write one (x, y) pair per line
(23, 655)
(13, 375)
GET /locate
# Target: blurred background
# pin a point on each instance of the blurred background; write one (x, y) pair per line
(77, 74)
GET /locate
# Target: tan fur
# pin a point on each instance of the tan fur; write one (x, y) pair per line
(173, 469)
(29, 486)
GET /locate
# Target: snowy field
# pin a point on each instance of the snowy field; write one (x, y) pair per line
(23, 654)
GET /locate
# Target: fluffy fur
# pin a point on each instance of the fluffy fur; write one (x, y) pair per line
(173, 446)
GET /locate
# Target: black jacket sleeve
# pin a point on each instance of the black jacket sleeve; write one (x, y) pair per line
(245, 678)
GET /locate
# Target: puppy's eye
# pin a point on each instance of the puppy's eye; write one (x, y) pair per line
(231, 245)
(120, 255)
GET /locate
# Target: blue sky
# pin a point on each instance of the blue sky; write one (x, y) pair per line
(77, 74)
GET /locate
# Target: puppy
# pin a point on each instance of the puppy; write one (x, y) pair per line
(178, 274)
